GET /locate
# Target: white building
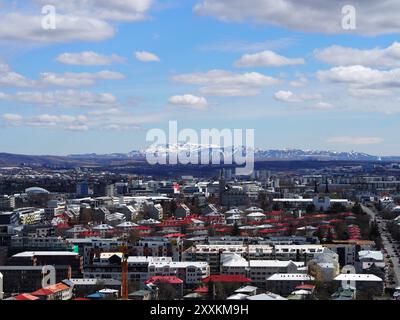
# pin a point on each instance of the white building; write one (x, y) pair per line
(257, 270)
(189, 272)
(285, 283)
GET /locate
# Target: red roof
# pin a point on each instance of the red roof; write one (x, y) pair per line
(26, 296)
(335, 221)
(226, 278)
(164, 279)
(269, 221)
(63, 226)
(57, 287)
(202, 290)
(142, 228)
(306, 287)
(274, 213)
(175, 235)
(90, 234)
(317, 216)
(346, 214)
(42, 292)
(273, 230)
(326, 227)
(171, 223)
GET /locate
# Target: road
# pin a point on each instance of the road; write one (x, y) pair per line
(389, 247)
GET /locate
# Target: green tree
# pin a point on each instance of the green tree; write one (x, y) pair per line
(310, 208)
(235, 231)
(166, 291)
(357, 209)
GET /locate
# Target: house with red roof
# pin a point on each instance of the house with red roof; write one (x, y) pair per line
(174, 281)
(26, 297)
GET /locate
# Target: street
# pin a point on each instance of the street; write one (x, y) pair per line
(388, 246)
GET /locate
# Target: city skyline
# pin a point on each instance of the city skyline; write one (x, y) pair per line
(110, 72)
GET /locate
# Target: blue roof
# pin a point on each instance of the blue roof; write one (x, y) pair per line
(96, 295)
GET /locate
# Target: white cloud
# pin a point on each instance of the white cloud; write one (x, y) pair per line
(76, 20)
(226, 83)
(289, 96)
(372, 17)
(355, 140)
(106, 112)
(89, 58)
(20, 27)
(189, 100)
(243, 46)
(344, 56)
(113, 10)
(65, 122)
(267, 58)
(146, 56)
(300, 81)
(9, 78)
(11, 117)
(363, 80)
(323, 106)
(66, 98)
(70, 79)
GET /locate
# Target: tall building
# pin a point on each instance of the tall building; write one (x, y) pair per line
(82, 189)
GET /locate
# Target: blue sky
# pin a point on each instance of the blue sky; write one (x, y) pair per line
(112, 70)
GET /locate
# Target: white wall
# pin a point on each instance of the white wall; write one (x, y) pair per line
(1, 286)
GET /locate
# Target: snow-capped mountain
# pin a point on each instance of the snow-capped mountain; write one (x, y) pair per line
(259, 154)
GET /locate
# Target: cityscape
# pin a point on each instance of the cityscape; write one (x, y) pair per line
(214, 152)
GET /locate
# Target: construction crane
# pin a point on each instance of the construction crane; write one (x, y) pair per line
(125, 280)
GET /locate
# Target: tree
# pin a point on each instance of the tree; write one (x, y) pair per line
(133, 237)
(337, 208)
(310, 208)
(357, 209)
(166, 291)
(235, 231)
(341, 231)
(329, 236)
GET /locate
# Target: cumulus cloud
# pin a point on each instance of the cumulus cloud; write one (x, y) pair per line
(189, 100)
(10, 78)
(363, 80)
(76, 20)
(323, 106)
(146, 56)
(267, 58)
(373, 17)
(355, 140)
(89, 58)
(113, 10)
(226, 83)
(344, 56)
(289, 96)
(64, 98)
(70, 79)
(22, 27)
(244, 46)
(300, 80)
(106, 112)
(66, 122)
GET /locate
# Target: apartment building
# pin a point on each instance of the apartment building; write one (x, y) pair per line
(257, 270)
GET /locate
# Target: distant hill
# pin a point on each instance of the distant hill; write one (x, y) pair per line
(138, 156)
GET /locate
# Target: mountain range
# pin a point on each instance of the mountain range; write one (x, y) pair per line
(139, 156)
